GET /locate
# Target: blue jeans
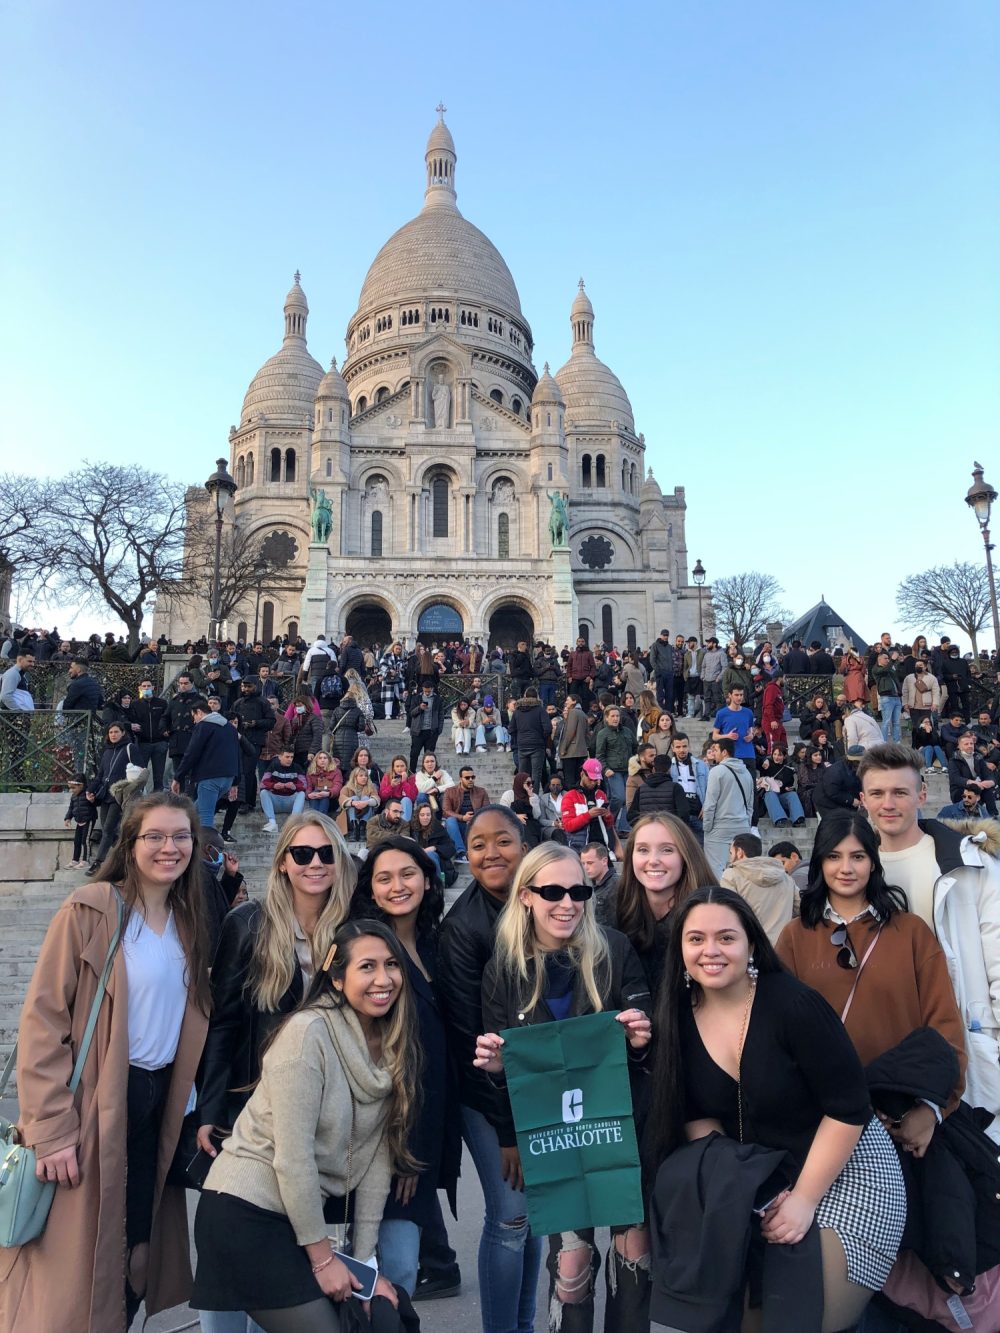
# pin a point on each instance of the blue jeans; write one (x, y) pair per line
(437, 862)
(227, 1321)
(456, 831)
(784, 806)
(890, 706)
(210, 793)
(615, 787)
(932, 752)
(509, 1256)
(500, 735)
(284, 805)
(322, 806)
(399, 1251)
(547, 692)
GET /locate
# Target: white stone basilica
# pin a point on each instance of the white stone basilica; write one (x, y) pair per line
(424, 489)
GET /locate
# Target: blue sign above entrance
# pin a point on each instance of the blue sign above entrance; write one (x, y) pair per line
(439, 619)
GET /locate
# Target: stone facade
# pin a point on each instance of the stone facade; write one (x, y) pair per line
(415, 488)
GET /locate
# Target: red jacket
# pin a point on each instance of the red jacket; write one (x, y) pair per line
(572, 822)
(773, 710)
(581, 664)
(398, 787)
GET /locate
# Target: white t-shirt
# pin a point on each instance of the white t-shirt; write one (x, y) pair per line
(157, 991)
(914, 870)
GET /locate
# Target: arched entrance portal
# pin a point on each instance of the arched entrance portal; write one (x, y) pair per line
(369, 624)
(509, 625)
(439, 622)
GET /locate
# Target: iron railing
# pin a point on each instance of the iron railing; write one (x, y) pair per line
(454, 687)
(41, 751)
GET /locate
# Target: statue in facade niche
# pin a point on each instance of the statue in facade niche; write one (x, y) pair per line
(558, 519)
(441, 402)
(322, 515)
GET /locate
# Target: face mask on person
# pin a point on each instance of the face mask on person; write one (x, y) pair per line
(739, 661)
(213, 857)
(300, 708)
(145, 694)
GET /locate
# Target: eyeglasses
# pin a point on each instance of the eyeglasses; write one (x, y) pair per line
(303, 856)
(156, 840)
(846, 957)
(555, 893)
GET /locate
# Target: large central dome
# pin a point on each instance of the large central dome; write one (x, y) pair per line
(440, 253)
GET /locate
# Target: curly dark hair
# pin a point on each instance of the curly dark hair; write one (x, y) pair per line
(363, 900)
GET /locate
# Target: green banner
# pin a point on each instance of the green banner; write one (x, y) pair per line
(569, 1091)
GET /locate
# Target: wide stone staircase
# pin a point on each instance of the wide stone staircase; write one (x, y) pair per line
(35, 852)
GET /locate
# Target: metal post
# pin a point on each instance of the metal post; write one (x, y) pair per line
(213, 632)
(993, 588)
(701, 628)
(256, 613)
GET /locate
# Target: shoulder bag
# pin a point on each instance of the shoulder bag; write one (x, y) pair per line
(24, 1199)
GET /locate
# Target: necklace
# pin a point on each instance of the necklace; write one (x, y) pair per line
(739, 1056)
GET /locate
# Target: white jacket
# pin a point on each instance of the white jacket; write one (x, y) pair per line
(967, 924)
(861, 729)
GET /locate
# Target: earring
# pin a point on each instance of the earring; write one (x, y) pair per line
(752, 971)
(687, 978)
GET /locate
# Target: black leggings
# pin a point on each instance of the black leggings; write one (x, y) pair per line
(147, 1094)
(320, 1316)
(81, 841)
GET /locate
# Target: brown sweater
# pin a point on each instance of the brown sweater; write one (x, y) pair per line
(905, 983)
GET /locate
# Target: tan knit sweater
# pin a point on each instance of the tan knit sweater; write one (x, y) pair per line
(288, 1151)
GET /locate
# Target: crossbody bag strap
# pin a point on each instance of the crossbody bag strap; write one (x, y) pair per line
(739, 788)
(88, 1033)
(861, 968)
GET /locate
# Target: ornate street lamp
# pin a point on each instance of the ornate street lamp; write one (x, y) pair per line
(698, 574)
(221, 488)
(979, 498)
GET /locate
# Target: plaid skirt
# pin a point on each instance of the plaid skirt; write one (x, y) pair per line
(866, 1207)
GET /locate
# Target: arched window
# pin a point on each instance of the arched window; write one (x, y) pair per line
(516, 406)
(607, 626)
(625, 475)
(586, 480)
(584, 633)
(360, 406)
(267, 621)
(602, 479)
(381, 394)
(275, 464)
(503, 537)
(241, 471)
(293, 629)
(550, 472)
(249, 469)
(633, 480)
(241, 632)
(439, 506)
(289, 464)
(497, 396)
(376, 532)
(329, 467)
(632, 640)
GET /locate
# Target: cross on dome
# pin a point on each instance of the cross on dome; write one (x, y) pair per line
(298, 277)
(441, 109)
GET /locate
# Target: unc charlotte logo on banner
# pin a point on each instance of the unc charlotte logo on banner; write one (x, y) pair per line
(569, 1091)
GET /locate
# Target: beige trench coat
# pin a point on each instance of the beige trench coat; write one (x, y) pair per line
(72, 1278)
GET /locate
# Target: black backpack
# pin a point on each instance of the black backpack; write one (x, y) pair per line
(331, 687)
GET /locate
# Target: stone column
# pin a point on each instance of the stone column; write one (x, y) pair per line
(312, 619)
(565, 611)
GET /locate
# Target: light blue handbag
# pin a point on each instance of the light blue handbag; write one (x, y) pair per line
(24, 1199)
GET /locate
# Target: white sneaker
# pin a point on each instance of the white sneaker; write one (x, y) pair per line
(270, 826)
(480, 749)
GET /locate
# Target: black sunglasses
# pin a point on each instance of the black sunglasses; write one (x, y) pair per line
(302, 856)
(846, 957)
(555, 893)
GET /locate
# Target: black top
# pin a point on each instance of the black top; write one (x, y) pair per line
(798, 1066)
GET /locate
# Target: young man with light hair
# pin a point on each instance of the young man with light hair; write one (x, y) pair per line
(951, 881)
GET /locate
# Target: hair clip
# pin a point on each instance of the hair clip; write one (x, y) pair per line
(328, 961)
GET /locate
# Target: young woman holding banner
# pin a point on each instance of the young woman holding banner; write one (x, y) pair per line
(553, 961)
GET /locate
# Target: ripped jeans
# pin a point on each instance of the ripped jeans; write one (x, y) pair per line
(509, 1256)
(571, 1282)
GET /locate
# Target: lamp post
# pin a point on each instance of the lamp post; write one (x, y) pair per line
(221, 488)
(698, 574)
(260, 568)
(979, 498)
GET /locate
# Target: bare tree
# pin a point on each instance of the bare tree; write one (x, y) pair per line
(21, 501)
(106, 536)
(957, 594)
(247, 563)
(744, 603)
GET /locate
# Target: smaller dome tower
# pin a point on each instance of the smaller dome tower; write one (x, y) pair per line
(331, 441)
(548, 439)
(441, 158)
(284, 388)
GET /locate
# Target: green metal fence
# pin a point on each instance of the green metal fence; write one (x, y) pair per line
(41, 751)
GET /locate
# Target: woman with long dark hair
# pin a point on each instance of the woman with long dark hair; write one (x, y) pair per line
(663, 864)
(116, 1233)
(747, 1051)
(111, 768)
(399, 886)
(850, 916)
(327, 1125)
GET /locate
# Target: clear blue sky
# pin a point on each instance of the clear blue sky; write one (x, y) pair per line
(785, 213)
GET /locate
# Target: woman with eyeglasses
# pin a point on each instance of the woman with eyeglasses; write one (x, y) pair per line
(267, 957)
(551, 960)
(315, 1147)
(399, 886)
(509, 1256)
(854, 940)
(747, 1052)
(116, 1233)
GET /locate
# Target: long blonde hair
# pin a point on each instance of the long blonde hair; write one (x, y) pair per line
(273, 964)
(516, 944)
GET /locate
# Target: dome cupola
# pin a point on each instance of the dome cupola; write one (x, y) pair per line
(547, 391)
(284, 388)
(594, 394)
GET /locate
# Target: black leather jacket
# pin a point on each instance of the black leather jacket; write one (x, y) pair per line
(622, 984)
(230, 1064)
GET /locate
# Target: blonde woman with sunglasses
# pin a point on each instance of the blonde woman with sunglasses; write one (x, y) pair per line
(552, 961)
(267, 958)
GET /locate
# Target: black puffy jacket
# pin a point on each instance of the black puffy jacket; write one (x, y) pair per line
(230, 1064)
